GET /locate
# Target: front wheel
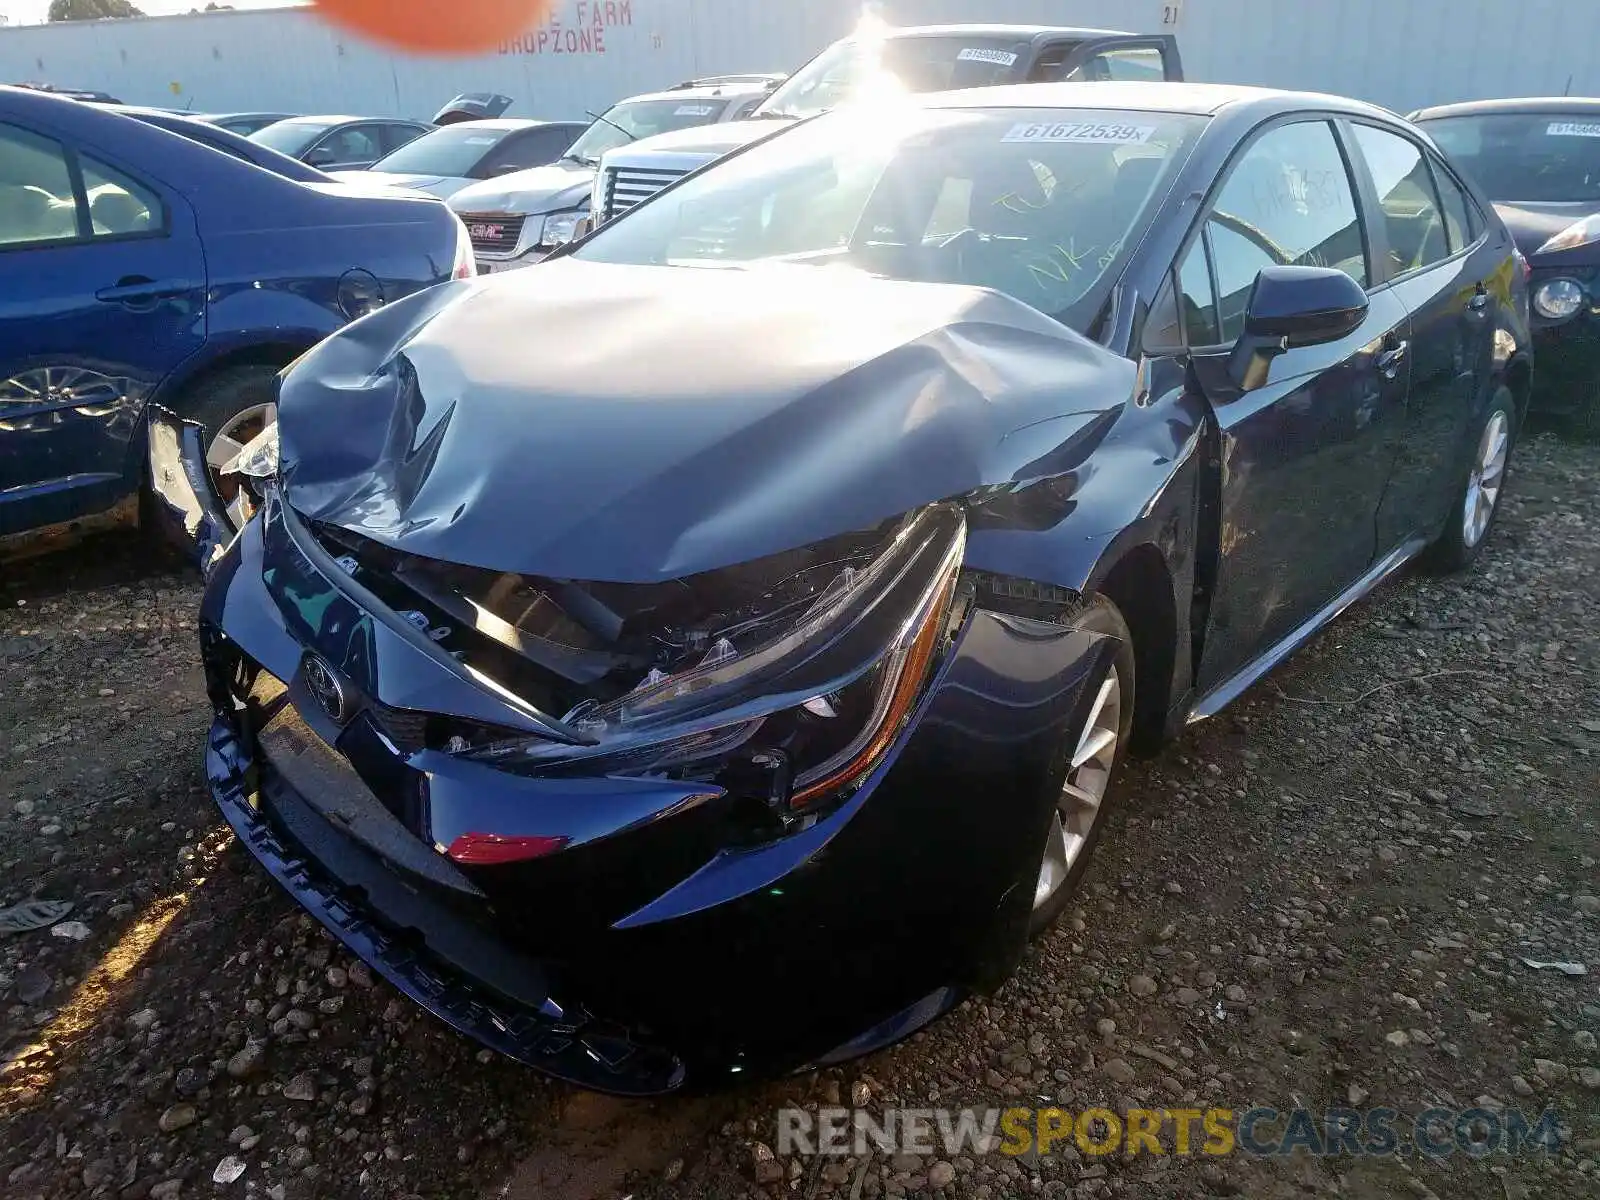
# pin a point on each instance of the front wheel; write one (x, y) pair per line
(1478, 502)
(1090, 757)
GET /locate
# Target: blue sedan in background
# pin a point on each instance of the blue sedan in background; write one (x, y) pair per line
(140, 266)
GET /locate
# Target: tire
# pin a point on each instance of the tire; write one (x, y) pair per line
(1459, 545)
(1098, 615)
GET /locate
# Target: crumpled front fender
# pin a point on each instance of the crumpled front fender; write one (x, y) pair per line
(183, 501)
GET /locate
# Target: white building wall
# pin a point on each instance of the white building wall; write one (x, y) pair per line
(1403, 53)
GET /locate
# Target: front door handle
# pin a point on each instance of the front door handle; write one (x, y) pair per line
(1389, 361)
(139, 289)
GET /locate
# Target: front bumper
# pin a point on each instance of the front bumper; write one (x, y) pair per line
(658, 950)
(1568, 352)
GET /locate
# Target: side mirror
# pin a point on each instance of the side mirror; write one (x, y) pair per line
(320, 157)
(1291, 307)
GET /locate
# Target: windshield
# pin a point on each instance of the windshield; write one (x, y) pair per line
(1537, 158)
(635, 119)
(290, 137)
(1039, 204)
(864, 68)
(452, 152)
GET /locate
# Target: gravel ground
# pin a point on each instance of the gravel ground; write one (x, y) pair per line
(1321, 898)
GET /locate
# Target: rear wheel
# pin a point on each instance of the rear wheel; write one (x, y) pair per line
(1087, 770)
(1478, 502)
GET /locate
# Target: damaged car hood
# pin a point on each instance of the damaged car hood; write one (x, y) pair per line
(633, 424)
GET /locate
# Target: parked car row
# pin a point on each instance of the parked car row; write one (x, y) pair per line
(862, 492)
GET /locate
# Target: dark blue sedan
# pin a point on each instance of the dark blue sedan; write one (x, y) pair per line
(138, 265)
(712, 652)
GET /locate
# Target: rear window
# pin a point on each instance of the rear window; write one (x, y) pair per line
(451, 152)
(1539, 158)
(861, 68)
(290, 137)
(634, 120)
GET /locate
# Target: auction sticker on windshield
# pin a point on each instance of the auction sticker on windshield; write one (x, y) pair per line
(1572, 129)
(1000, 58)
(693, 110)
(1081, 131)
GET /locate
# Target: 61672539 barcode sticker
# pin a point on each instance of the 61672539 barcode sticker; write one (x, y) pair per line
(1104, 132)
(1573, 129)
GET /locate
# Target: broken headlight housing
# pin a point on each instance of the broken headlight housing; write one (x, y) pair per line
(793, 702)
(244, 476)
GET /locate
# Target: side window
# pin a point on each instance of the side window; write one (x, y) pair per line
(37, 203)
(1457, 208)
(118, 207)
(395, 136)
(1140, 63)
(1416, 232)
(1197, 298)
(358, 143)
(1051, 59)
(1288, 201)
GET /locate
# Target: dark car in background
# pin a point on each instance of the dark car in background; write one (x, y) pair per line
(197, 129)
(666, 672)
(339, 143)
(139, 265)
(1539, 161)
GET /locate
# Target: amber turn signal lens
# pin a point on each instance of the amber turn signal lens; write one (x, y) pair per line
(428, 27)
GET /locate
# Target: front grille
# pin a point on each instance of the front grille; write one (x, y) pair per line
(494, 233)
(626, 186)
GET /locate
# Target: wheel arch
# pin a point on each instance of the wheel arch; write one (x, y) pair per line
(1141, 584)
(1518, 376)
(277, 354)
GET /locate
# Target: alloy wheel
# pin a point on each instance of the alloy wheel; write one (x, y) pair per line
(236, 433)
(1486, 479)
(1083, 791)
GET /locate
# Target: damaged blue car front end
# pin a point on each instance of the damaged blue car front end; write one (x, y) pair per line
(751, 790)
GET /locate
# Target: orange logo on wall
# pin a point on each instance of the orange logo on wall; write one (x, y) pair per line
(429, 27)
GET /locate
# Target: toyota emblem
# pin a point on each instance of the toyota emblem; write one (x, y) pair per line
(326, 689)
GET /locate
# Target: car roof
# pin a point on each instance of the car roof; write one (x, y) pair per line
(716, 91)
(235, 116)
(318, 119)
(1518, 104)
(1200, 99)
(507, 124)
(973, 29)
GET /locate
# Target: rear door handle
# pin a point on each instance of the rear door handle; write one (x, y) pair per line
(137, 289)
(1389, 361)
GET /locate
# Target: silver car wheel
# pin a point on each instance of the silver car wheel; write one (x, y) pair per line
(1083, 792)
(236, 433)
(1487, 477)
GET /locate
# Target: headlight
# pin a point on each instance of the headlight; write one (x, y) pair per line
(1558, 299)
(258, 459)
(243, 476)
(792, 699)
(1579, 233)
(560, 228)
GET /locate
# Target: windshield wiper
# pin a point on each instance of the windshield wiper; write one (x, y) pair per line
(580, 159)
(632, 137)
